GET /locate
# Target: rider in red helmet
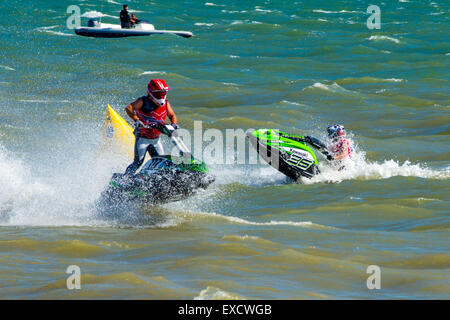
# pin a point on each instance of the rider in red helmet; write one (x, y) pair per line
(148, 112)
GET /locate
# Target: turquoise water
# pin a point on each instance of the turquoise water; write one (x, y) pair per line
(298, 66)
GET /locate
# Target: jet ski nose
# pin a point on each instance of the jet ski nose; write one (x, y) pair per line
(207, 180)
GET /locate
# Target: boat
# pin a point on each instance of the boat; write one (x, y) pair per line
(98, 29)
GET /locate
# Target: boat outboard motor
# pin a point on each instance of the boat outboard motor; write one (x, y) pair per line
(93, 23)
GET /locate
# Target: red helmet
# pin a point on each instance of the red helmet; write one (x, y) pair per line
(157, 90)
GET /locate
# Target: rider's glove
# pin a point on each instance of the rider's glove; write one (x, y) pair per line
(138, 123)
(175, 126)
(154, 125)
(330, 157)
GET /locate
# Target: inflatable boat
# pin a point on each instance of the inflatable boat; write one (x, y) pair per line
(141, 28)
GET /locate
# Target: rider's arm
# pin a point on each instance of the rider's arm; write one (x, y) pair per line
(172, 116)
(316, 143)
(132, 107)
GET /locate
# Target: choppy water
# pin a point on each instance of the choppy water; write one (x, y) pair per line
(297, 66)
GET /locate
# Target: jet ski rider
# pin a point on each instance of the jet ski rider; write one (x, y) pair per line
(148, 112)
(134, 20)
(337, 147)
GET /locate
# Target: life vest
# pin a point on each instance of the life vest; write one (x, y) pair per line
(339, 147)
(148, 114)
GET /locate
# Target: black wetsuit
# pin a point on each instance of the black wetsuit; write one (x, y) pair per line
(125, 19)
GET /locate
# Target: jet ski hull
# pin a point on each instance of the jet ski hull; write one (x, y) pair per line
(122, 33)
(290, 158)
(164, 186)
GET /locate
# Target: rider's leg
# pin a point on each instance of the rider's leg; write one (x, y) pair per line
(155, 148)
(140, 148)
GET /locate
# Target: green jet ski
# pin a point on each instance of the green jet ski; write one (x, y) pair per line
(291, 155)
(162, 179)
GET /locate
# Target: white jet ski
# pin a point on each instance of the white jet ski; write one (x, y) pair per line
(141, 28)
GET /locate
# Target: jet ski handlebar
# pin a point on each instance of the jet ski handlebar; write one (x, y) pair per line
(170, 131)
(166, 129)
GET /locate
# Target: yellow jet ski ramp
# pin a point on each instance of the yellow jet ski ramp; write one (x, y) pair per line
(118, 131)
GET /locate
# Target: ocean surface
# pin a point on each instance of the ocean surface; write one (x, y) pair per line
(298, 66)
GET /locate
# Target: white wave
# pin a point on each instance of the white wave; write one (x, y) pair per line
(16, 187)
(203, 24)
(46, 28)
(381, 38)
(236, 220)
(394, 80)
(151, 72)
(334, 87)
(242, 238)
(43, 101)
(96, 14)
(234, 57)
(113, 2)
(7, 68)
(58, 33)
(210, 4)
(233, 11)
(50, 30)
(359, 168)
(342, 11)
(270, 223)
(237, 22)
(291, 102)
(263, 10)
(323, 20)
(213, 293)
(61, 198)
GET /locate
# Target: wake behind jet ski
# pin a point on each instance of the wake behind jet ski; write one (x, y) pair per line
(161, 179)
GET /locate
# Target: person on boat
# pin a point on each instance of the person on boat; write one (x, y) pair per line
(125, 20)
(134, 20)
(148, 113)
